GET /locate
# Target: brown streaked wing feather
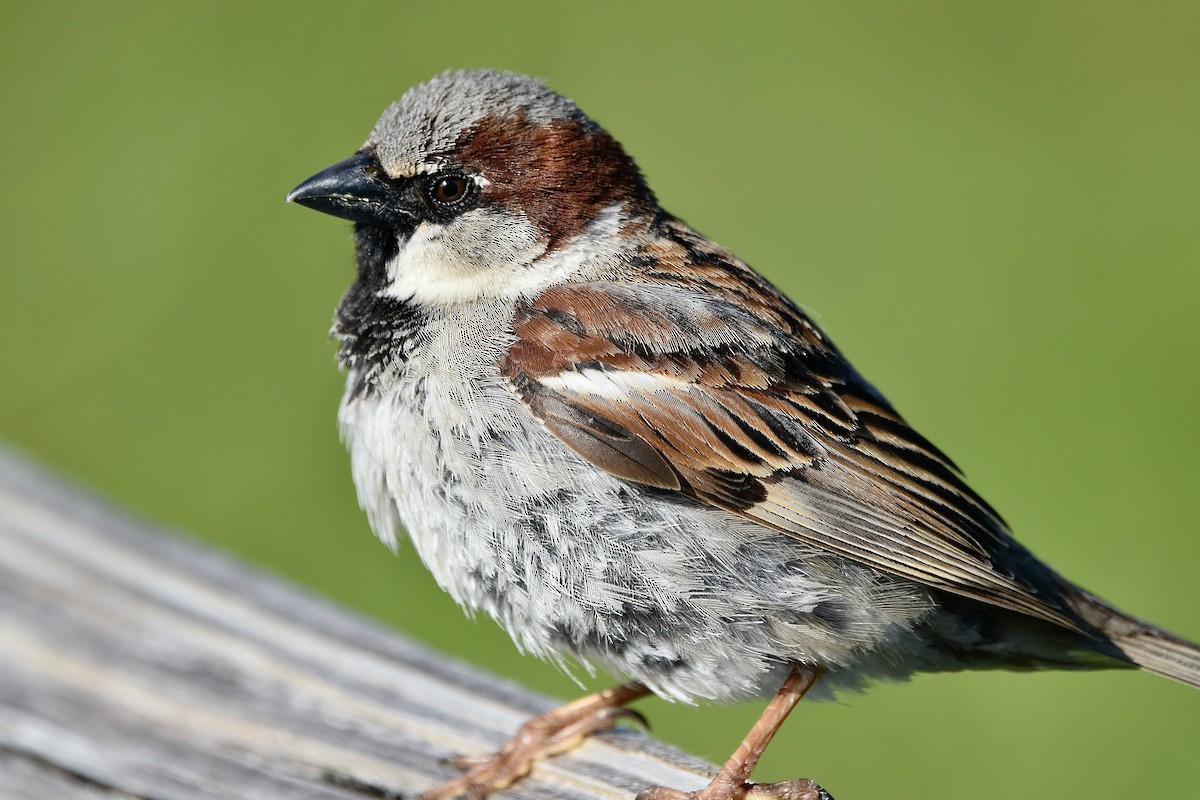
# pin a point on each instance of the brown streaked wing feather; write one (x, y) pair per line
(677, 387)
(610, 447)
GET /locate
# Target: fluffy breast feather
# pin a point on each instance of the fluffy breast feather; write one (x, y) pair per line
(576, 562)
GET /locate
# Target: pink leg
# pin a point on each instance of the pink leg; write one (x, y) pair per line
(551, 733)
(732, 781)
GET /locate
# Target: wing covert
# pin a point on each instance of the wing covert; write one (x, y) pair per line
(728, 394)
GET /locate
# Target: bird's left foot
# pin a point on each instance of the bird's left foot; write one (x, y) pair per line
(732, 781)
(724, 788)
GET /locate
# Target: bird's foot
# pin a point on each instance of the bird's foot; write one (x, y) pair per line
(551, 733)
(726, 787)
(732, 781)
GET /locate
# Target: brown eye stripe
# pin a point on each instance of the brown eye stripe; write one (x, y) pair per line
(560, 174)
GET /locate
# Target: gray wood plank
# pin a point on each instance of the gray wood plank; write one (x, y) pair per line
(135, 663)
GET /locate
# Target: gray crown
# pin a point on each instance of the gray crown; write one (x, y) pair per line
(430, 117)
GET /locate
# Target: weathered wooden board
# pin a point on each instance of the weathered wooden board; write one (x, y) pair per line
(135, 663)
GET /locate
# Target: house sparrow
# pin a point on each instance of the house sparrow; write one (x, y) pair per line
(615, 438)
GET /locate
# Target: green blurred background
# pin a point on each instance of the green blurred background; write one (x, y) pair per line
(992, 207)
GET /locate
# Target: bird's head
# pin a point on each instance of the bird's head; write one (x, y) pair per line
(479, 184)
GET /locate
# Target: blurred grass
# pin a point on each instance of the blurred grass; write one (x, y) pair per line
(992, 207)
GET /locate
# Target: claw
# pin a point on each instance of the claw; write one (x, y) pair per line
(801, 789)
(633, 714)
(463, 761)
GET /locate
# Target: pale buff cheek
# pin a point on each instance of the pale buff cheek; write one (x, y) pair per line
(493, 255)
(480, 254)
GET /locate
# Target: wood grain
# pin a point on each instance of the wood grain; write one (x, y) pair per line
(135, 663)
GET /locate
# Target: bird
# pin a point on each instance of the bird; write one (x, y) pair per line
(607, 432)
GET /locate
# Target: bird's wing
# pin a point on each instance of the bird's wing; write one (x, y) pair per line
(713, 385)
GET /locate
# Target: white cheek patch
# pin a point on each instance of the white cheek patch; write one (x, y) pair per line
(424, 271)
(491, 254)
(480, 254)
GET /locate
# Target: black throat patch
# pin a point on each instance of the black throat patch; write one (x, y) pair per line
(375, 331)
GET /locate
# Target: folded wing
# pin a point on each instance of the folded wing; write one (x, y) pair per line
(709, 383)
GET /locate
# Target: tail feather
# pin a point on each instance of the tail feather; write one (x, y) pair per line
(1151, 648)
(1163, 654)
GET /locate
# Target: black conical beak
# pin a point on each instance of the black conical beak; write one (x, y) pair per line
(355, 189)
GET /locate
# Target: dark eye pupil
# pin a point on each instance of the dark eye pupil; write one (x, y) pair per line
(449, 190)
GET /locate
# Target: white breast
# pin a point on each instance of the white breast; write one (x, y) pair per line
(447, 450)
(573, 561)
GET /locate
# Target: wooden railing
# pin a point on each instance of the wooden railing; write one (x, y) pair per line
(135, 663)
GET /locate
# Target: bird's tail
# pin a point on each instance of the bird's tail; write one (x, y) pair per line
(1151, 648)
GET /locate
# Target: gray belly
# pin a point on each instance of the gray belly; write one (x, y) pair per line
(695, 602)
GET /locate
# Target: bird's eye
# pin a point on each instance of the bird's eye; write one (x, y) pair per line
(446, 190)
